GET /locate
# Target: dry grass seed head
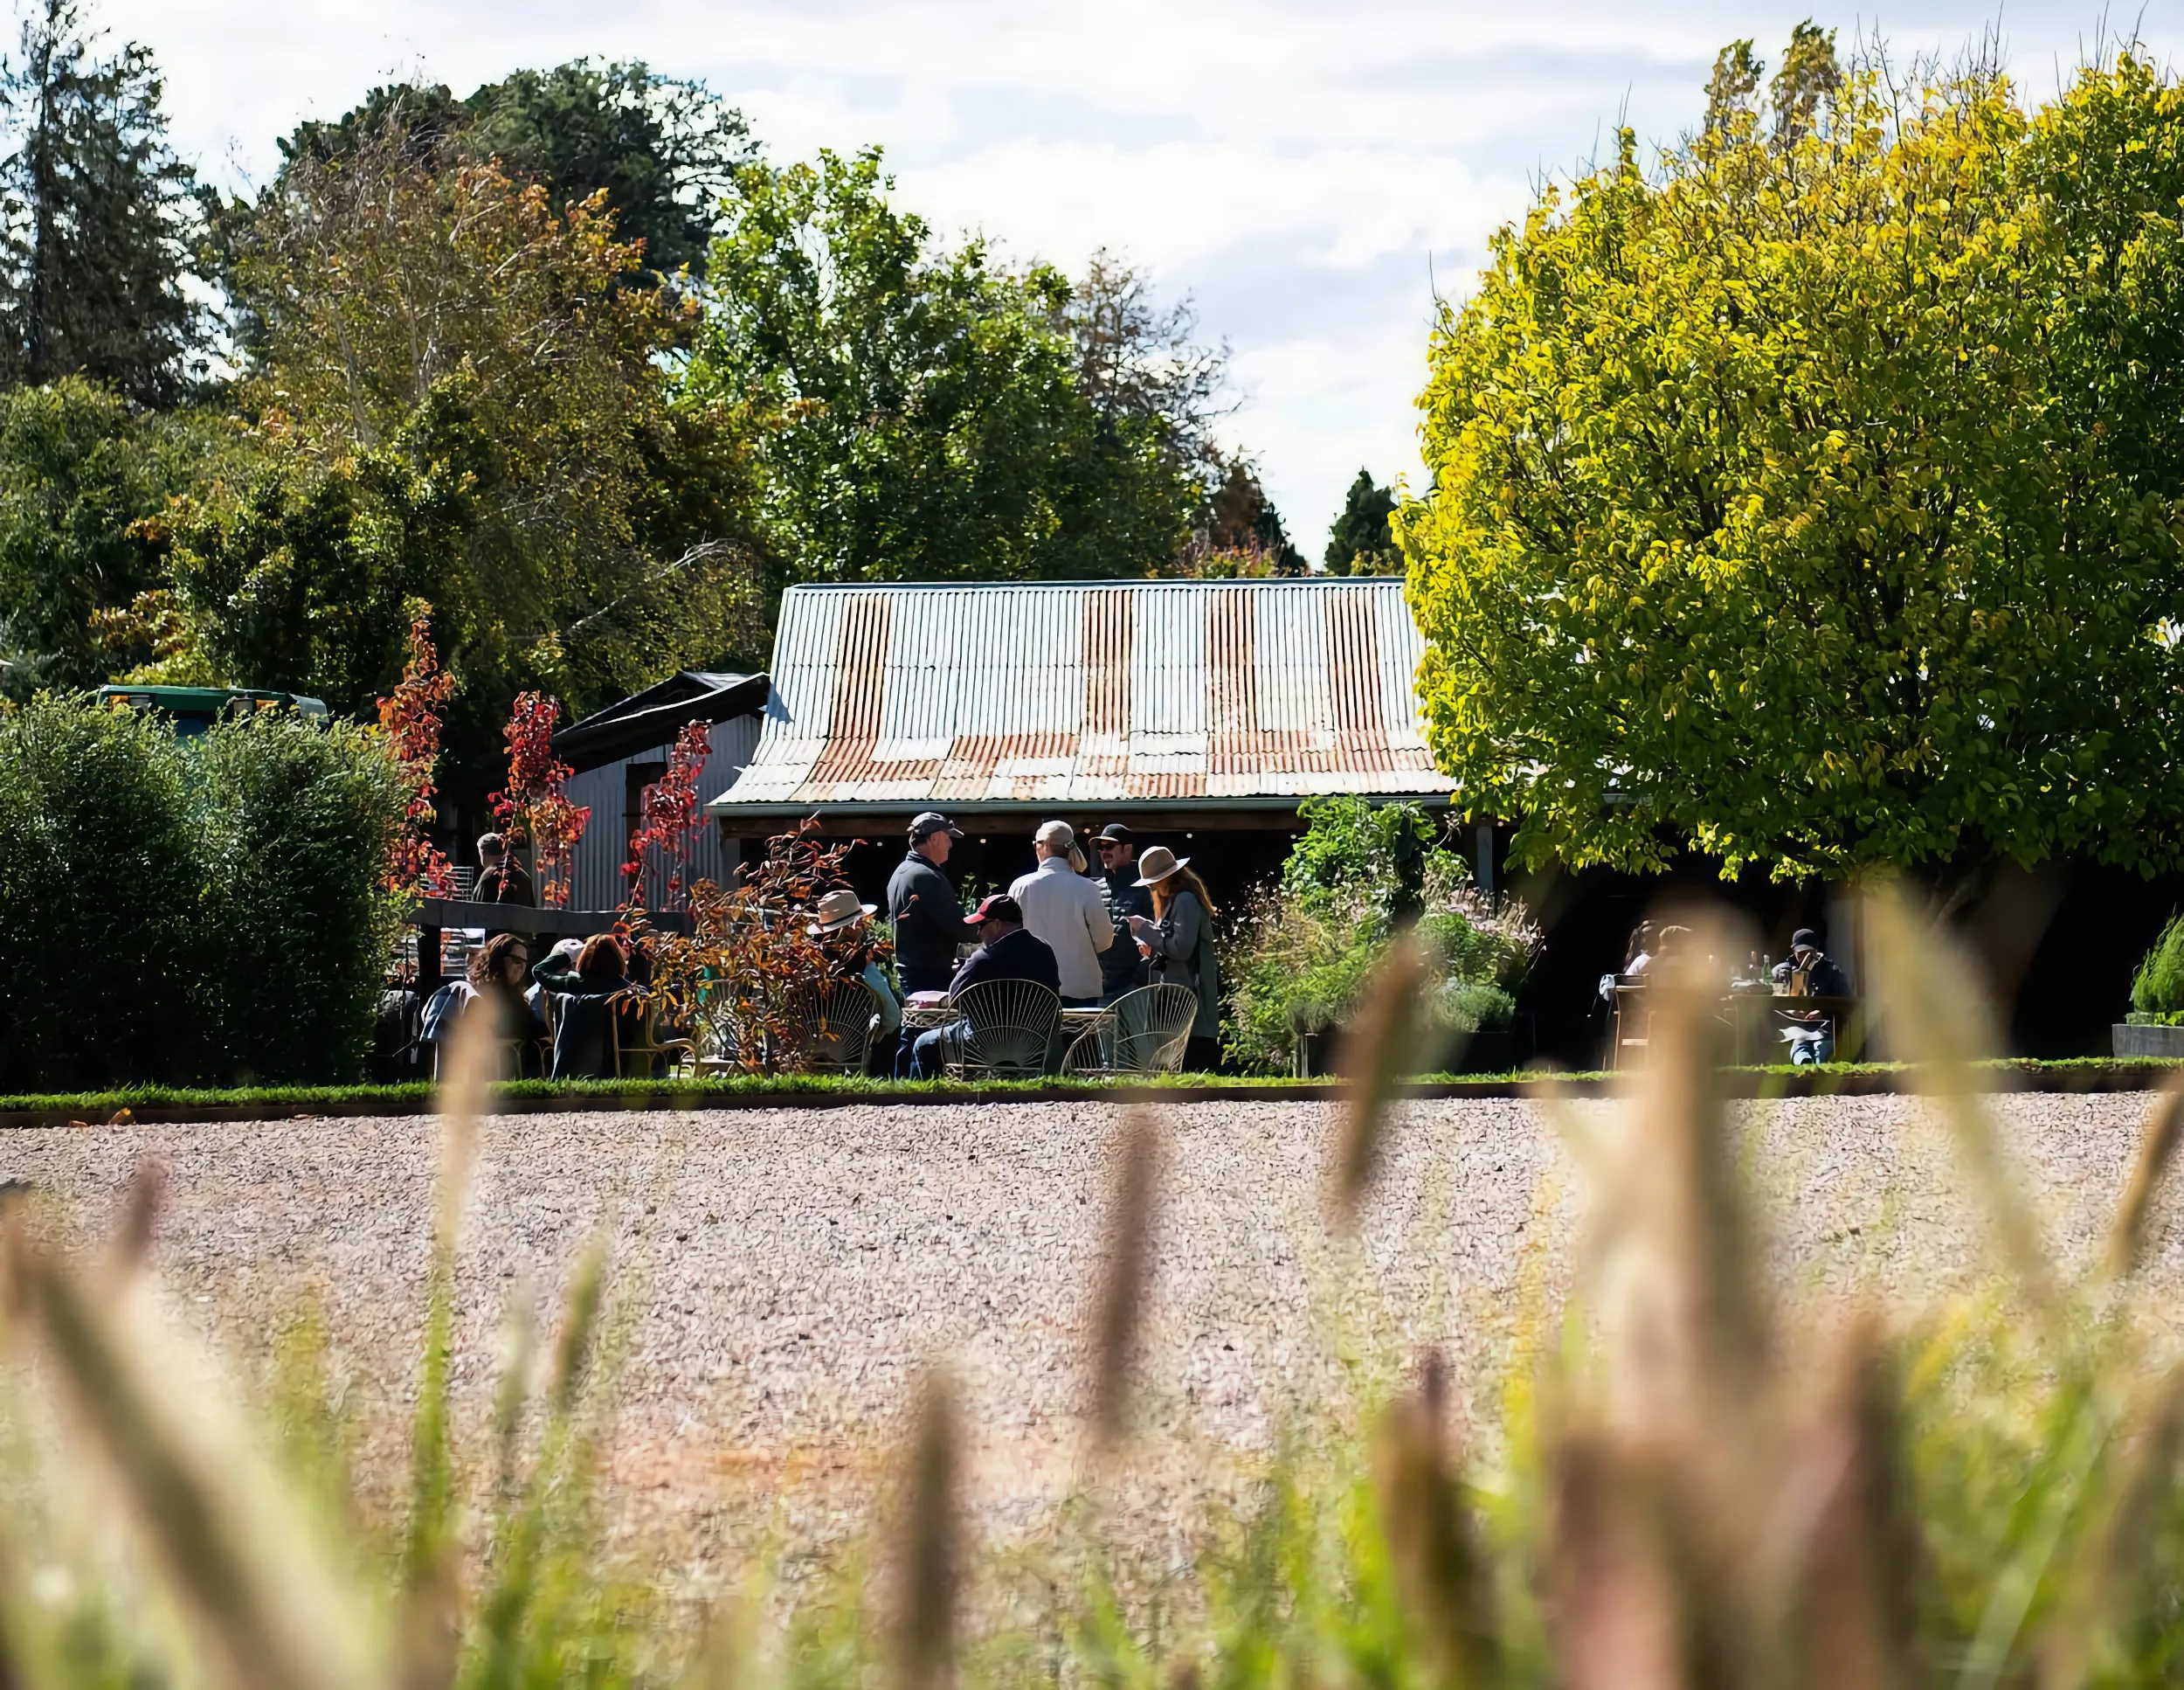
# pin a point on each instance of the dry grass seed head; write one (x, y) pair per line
(929, 1548)
(131, 1241)
(1628, 1605)
(473, 1061)
(1844, 1553)
(1443, 1580)
(1123, 1290)
(1685, 1317)
(1934, 1016)
(219, 1534)
(1377, 1047)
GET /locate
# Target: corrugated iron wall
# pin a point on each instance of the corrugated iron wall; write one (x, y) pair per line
(604, 846)
(1071, 692)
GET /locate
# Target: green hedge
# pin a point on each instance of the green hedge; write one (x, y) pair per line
(188, 910)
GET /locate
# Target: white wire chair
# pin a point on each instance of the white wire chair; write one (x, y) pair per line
(1005, 1030)
(1143, 1032)
(830, 1026)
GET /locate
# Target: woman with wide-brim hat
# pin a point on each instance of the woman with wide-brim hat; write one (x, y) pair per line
(1179, 941)
(842, 926)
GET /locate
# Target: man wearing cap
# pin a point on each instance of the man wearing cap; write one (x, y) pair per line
(922, 905)
(1123, 967)
(1006, 952)
(1811, 1036)
(1066, 909)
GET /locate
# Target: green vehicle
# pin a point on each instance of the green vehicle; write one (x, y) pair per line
(194, 710)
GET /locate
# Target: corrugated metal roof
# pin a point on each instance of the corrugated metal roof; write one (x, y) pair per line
(1138, 692)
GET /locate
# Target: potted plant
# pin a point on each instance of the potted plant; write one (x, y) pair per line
(2155, 1025)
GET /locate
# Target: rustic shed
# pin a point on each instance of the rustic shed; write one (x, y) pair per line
(1179, 707)
(1186, 696)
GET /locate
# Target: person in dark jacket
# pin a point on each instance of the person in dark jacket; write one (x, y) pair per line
(500, 877)
(926, 911)
(1006, 952)
(587, 1002)
(1811, 1036)
(1123, 967)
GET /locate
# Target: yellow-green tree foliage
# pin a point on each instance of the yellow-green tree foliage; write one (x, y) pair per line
(1813, 501)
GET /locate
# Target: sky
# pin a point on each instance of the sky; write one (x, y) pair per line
(1309, 176)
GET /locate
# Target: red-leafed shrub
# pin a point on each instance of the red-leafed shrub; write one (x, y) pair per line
(410, 718)
(662, 839)
(535, 805)
(750, 950)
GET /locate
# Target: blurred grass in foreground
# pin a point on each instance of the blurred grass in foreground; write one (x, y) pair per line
(1695, 1478)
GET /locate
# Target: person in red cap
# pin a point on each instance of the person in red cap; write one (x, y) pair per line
(1006, 952)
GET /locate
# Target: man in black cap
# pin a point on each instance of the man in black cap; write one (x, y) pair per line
(922, 905)
(1122, 967)
(1822, 978)
(1812, 1036)
(1006, 952)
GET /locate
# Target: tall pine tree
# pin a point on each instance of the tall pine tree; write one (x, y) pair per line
(97, 214)
(1361, 542)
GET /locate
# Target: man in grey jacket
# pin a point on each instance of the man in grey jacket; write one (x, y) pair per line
(1069, 911)
(924, 905)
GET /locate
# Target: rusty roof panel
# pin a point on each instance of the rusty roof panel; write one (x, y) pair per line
(1122, 692)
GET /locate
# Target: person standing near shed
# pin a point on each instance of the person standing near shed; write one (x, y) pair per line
(1123, 967)
(1179, 941)
(924, 905)
(1066, 909)
(502, 879)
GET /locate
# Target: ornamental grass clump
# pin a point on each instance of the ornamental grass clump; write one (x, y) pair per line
(2157, 990)
(1300, 955)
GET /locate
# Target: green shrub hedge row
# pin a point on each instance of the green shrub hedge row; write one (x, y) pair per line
(207, 909)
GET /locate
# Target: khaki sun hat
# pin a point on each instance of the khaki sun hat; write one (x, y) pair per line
(837, 909)
(1157, 862)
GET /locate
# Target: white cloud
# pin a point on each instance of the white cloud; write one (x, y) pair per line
(1293, 163)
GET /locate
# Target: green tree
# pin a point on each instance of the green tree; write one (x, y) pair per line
(664, 150)
(84, 480)
(919, 413)
(457, 399)
(1767, 517)
(99, 215)
(1362, 541)
(1239, 532)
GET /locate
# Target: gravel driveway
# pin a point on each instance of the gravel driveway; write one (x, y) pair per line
(782, 1276)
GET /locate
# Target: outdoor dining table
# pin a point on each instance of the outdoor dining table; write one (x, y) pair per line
(1757, 1020)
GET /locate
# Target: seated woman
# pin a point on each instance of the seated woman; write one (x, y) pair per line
(498, 970)
(587, 999)
(844, 931)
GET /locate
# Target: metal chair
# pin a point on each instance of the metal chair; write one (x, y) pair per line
(1146, 1032)
(635, 1058)
(830, 1026)
(1005, 1027)
(1633, 1031)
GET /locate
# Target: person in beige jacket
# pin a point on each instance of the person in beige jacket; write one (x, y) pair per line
(1069, 911)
